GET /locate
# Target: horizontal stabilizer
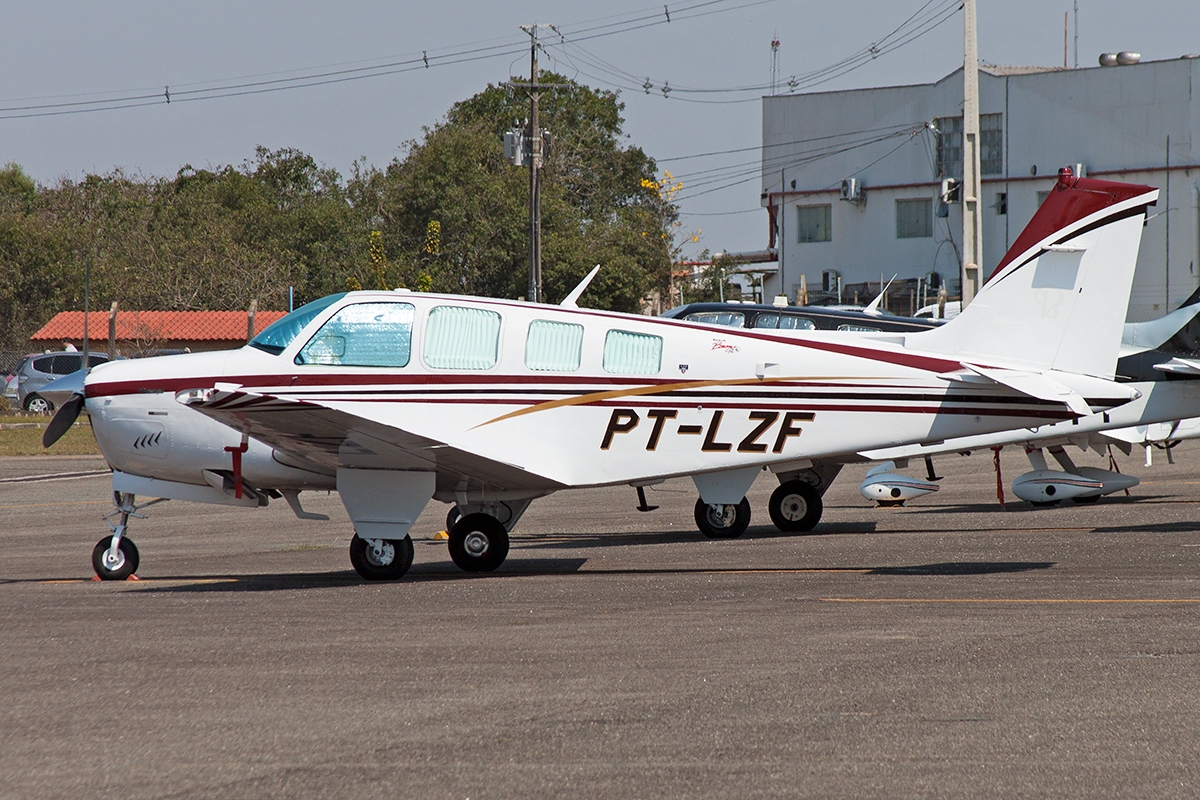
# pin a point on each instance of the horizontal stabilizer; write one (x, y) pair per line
(1035, 384)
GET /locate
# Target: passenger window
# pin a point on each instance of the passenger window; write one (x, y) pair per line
(65, 365)
(553, 346)
(731, 319)
(457, 337)
(363, 335)
(632, 353)
(859, 328)
(787, 322)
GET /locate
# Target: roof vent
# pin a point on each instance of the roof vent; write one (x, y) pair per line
(1123, 58)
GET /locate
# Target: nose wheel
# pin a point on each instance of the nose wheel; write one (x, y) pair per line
(478, 543)
(115, 557)
(381, 559)
(114, 563)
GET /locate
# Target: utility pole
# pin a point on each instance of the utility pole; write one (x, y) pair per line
(535, 164)
(528, 147)
(972, 186)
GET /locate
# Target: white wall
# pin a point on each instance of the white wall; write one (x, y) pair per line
(1114, 119)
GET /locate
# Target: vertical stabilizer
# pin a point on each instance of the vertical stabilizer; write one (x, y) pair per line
(1057, 300)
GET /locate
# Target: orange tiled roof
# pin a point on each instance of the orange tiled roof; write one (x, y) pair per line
(192, 326)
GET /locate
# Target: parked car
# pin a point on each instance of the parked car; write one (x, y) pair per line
(36, 370)
(812, 318)
(953, 307)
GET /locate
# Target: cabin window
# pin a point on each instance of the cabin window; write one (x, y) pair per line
(363, 335)
(628, 353)
(275, 338)
(784, 322)
(458, 337)
(731, 319)
(858, 328)
(553, 346)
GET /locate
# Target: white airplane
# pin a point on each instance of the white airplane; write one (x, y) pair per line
(1159, 360)
(394, 398)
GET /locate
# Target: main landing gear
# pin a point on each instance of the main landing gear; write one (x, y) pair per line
(381, 559)
(479, 533)
(722, 521)
(795, 506)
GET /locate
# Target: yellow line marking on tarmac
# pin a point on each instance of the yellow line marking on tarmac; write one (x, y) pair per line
(141, 581)
(1001, 600)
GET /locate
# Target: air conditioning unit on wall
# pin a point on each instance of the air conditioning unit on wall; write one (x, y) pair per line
(852, 190)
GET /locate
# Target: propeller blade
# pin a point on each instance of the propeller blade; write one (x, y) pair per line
(64, 418)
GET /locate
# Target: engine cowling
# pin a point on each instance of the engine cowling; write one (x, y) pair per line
(892, 488)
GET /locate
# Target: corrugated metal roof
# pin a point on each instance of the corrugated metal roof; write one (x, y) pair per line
(192, 326)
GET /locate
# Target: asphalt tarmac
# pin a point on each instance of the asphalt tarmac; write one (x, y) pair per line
(946, 649)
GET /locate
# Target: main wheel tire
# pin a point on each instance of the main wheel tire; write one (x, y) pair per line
(36, 404)
(388, 563)
(478, 543)
(795, 506)
(452, 516)
(730, 523)
(1086, 499)
(119, 568)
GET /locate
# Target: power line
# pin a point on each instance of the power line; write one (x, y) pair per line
(921, 22)
(408, 63)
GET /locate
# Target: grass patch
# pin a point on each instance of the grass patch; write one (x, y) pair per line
(78, 441)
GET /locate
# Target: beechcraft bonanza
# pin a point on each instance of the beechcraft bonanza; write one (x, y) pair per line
(394, 398)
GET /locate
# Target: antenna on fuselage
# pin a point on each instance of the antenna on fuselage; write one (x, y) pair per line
(872, 310)
(570, 300)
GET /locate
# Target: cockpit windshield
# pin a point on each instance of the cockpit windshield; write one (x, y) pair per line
(275, 338)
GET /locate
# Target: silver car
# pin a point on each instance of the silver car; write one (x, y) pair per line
(35, 371)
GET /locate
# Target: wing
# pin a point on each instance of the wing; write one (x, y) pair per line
(312, 436)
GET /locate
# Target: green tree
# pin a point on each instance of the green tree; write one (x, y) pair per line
(596, 206)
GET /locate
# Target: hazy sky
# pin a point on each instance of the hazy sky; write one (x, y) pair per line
(54, 53)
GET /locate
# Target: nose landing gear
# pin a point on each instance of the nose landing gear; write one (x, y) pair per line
(115, 557)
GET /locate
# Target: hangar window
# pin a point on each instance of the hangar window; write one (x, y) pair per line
(814, 223)
(628, 353)
(914, 218)
(553, 346)
(950, 145)
(459, 337)
(363, 335)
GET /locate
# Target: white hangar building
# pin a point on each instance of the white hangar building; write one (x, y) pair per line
(853, 179)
